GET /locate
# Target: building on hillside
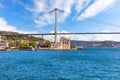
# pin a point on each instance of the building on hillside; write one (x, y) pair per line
(3, 44)
(63, 44)
(40, 44)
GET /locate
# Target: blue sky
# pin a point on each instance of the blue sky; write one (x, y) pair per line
(31, 16)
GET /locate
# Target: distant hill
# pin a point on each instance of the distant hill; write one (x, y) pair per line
(105, 44)
(23, 37)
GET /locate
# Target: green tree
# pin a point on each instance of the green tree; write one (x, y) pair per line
(17, 43)
(48, 43)
(11, 44)
(23, 45)
(72, 47)
(32, 43)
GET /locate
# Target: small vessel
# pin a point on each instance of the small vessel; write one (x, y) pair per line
(31, 49)
(8, 49)
(80, 48)
(2, 49)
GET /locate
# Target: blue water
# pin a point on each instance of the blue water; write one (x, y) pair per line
(87, 64)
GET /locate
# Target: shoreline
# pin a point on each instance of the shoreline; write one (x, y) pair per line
(59, 49)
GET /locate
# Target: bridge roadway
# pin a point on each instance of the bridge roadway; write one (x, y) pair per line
(81, 33)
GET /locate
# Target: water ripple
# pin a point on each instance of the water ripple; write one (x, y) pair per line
(88, 64)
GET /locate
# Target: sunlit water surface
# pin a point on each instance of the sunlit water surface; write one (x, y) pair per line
(87, 64)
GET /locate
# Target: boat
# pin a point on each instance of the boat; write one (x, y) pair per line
(31, 49)
(8, 49)
(80, 48)
(2, 48)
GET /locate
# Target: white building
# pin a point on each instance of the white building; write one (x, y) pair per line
(3, 45)
(63, 44)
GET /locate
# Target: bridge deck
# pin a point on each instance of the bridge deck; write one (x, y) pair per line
(81, 33)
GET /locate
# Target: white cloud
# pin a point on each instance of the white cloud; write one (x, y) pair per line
(94, 9)
(4, 26)
(97, 37)
(39, 6)
(86, 37)
(42, 7)
(51, 37)
(81, 4)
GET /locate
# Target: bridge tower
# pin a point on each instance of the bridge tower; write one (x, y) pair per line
(56, 10)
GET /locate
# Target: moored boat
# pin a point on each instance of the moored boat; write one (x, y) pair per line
(2, 49)
(80, 48)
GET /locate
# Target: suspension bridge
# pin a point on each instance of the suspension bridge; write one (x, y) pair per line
(56, 10)
(43, 34)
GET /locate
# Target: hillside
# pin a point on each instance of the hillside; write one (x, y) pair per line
(106, 44)
(18, 37)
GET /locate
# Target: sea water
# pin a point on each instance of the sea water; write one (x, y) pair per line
(87, 64)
